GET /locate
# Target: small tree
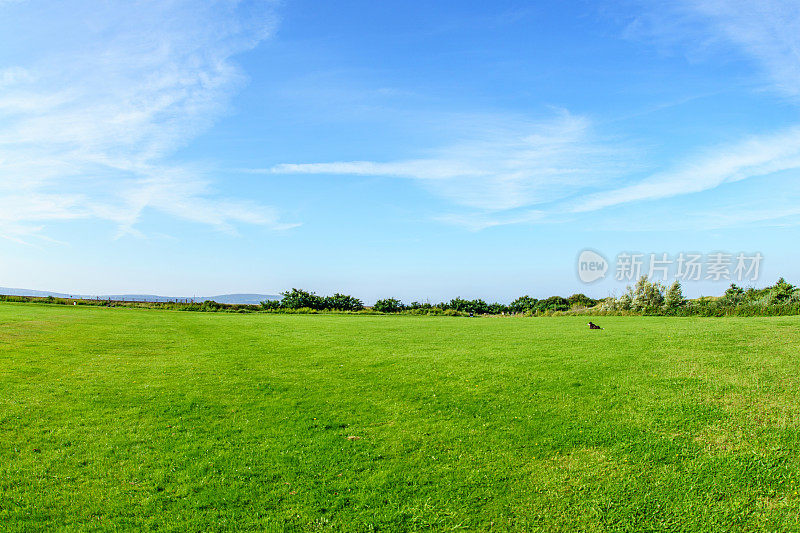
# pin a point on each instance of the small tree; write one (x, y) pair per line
(522, 304)
(458, 304)
(674, 298)
(783, 290)
(270, 304)
(342, 302)
(646, 296)
(388, 305)
(625, 302)
(581, 300)
(497, 308)
(734, 295)
(298, 298)
(553, 303)
(608, 304)
(468, 306)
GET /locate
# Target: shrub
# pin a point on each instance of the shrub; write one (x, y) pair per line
(388, 305)
(645, 297)
(468, 306)
(522, 304)
(734, 295)
(674, 298)
(298, 299)
(554, 303)
(783, 291)
(210, 305)
(581, 300)
(270, 304)
(342, 302)
(497, 308)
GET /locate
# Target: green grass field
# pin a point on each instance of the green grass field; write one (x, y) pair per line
(141, 419)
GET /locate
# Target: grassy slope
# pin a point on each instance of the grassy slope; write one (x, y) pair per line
(140, 418)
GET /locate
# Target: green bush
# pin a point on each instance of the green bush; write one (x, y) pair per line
(581, 300)
(522, 304)
(554, 303)
(267, 305)
(468, 306)
(674, 299)
(342, 302)
(299, 299)
(389, 305)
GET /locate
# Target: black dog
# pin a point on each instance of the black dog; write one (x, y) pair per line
(594, 326)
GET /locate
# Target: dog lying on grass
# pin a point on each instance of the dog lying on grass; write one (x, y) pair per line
(592, 325)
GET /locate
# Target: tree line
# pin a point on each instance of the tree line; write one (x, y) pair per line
(654, 298)
(522, 304)
(644, 298)
(298, 299)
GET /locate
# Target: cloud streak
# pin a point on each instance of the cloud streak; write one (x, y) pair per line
(534, 172)
(767, 31)
(517, 165)
(89, 121)
(753, 157)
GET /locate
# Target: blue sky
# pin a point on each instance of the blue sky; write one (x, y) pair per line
(423, 150)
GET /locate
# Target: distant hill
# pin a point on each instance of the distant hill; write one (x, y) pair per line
(28, 292)
(253, 299)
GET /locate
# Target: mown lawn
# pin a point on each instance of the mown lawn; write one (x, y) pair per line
(144, 419)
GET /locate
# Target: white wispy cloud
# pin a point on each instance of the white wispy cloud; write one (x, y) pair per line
(103, 95)
(752, 157)
(534, 172)
(12, 75)
(477, 221)
(518, 164)
(767, 31)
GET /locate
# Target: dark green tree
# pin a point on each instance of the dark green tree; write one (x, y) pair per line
(733, 295)
(497, 308)
(298, 299)
(782, 290)
(674, 298)
(388, 305)
(271, 304)
(342, 302)
(522, 304)
(581, 300)
(554, 303)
